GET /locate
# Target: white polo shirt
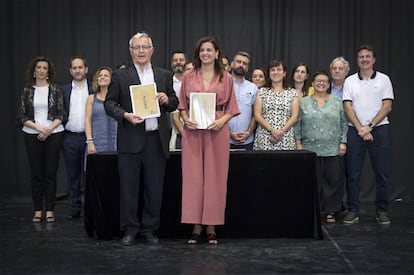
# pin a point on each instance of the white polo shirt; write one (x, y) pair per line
(367, 96)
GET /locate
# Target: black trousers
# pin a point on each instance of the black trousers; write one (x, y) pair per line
(330, 176)
(148, 166)
(43, 160)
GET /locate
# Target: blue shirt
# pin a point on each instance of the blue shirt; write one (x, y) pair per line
(337, 92)
(246, 95)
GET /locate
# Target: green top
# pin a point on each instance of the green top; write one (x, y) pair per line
(321, 129)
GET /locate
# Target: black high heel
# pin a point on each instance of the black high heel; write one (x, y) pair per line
(212, 238)
(195, 239)
(37, 219)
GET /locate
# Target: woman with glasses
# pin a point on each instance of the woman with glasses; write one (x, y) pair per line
(322, 128)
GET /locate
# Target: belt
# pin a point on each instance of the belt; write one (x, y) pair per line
(149, 133)
(75, 133)
(220, 107)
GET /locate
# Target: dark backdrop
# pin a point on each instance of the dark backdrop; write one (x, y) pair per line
(310, 31)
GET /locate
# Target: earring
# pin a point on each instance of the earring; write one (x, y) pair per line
(47, 77)
(34, 76)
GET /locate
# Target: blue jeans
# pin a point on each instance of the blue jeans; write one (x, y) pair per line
(379, 152)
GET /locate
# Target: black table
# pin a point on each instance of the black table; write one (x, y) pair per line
(270, 194)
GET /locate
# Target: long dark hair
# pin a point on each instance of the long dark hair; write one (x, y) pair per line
(305, 87)
(31, 80)
(218, 63)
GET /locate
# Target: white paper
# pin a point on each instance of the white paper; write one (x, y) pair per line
(203, 109)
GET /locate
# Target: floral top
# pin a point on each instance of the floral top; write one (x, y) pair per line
(322, 129)
(276, 110)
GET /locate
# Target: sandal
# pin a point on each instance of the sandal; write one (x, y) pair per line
(212, 239)
(50, 219)
(195, 239)
(330, 218)
(37, 219)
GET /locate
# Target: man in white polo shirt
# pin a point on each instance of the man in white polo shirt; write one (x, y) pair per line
(368, 96)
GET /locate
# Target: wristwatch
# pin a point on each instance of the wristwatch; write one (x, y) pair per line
(371, 126)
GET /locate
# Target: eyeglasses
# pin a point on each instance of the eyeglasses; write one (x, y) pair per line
(321, 81)
(141, 47)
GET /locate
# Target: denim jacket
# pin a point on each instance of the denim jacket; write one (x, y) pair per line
(56, 109)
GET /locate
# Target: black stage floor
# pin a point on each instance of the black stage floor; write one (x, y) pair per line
(64, 248)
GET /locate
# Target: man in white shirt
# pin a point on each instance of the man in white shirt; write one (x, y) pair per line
(368, 97)
(142, 142)
(75, 95)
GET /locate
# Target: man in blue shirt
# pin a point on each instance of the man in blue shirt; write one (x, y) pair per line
(242, 126)
(339, 69)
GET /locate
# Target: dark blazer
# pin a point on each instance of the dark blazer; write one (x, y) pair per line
(67, 90)
(131, 139)
(56, 110)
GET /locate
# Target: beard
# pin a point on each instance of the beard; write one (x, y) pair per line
(179, 69)
(239, 71)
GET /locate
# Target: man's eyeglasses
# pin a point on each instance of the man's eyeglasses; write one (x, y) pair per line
(141, 47)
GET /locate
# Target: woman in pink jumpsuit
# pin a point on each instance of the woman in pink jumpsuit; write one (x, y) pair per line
(205, 152)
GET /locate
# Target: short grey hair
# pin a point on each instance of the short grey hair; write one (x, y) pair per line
(343, 60)
(139, 35)
(245, 54)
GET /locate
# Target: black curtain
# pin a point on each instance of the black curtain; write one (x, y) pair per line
(310, 31)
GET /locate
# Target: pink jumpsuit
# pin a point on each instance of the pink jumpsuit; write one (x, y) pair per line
(205, 154)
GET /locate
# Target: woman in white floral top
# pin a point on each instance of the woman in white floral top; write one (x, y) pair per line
(276, 111)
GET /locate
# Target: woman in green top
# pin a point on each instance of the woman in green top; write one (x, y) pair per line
(322, 127)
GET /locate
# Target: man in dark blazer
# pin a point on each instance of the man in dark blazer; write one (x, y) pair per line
(142, 143)
(75, 94)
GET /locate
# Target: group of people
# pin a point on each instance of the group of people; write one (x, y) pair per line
(337, 117)
(68, 117)
(333, 116)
